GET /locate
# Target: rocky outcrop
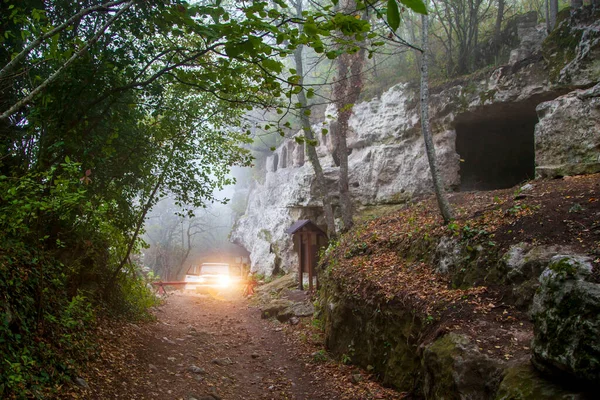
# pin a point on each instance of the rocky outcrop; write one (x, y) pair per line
(578, 152)
(455, 369)
(566, 315)
(281, 300)
(408, 352)
(387, 162)
(520, 269)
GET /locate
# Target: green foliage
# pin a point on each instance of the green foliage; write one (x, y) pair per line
(393, 14)
(320, 356)
(43, 329)
(153, 107)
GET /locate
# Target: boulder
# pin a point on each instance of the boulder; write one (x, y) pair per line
(302, 309)
(566, 317)
(275, 307)
(521, 267)
(455, 369)
(276, 286)
(578, 152)
(448, 254)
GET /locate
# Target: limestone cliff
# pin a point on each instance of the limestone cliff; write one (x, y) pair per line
(483, 127)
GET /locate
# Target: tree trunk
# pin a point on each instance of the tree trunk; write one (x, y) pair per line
(498, 27)
(140, 221)
(346, 91)
(552, 14)
(438, 185)
(310, 138)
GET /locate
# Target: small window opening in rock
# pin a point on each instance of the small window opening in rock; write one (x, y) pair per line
(355, 184)
(496, 152)
(284, 158)
(300, 156)
(275, 162)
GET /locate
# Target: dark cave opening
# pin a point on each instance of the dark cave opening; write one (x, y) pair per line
(496, 148)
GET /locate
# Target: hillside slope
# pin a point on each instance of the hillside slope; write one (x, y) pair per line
(453, 309)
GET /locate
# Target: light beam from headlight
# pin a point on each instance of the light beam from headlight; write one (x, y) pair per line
(224, 281)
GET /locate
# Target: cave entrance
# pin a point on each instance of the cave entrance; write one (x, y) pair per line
(496, 147)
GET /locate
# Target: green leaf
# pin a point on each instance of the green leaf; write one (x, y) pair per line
(417, 6)
(393, 15)
(272, 65)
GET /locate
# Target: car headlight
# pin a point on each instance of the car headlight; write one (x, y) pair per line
(224, 281)
(201, 279)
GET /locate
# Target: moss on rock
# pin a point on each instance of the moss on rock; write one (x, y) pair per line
(455, 369)
(523, 382)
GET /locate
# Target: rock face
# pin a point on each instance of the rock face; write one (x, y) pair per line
(455, 369)
(387, 338)
(477, 121)
(577, 113)
(566, 315)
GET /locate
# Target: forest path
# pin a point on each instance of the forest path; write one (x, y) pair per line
(206, 348)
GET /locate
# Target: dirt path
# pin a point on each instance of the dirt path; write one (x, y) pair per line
(209, 348)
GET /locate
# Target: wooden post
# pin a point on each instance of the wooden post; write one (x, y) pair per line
(300, 261)
(309, 259)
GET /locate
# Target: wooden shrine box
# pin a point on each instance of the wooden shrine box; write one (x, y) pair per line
(308, 240)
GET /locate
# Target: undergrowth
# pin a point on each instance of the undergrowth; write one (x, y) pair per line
(53, 280)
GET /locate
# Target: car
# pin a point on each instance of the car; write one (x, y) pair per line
(213, 276)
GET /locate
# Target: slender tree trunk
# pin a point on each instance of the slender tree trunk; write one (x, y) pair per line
(140, 222)
(344, 109)
(552, 14)
(346, 91)
(438, 184)
(311, 151)
(499, 18)
(547, 14)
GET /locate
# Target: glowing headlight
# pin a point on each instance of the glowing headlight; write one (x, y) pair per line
(224, 281)
(201, 279)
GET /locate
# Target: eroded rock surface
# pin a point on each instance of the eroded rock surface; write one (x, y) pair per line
(567, 139)
(566, 315)
(455, 369)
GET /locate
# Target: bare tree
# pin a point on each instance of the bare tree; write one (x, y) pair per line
(461, 20)
(552, 7)
(438, 184)
(499, 18)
